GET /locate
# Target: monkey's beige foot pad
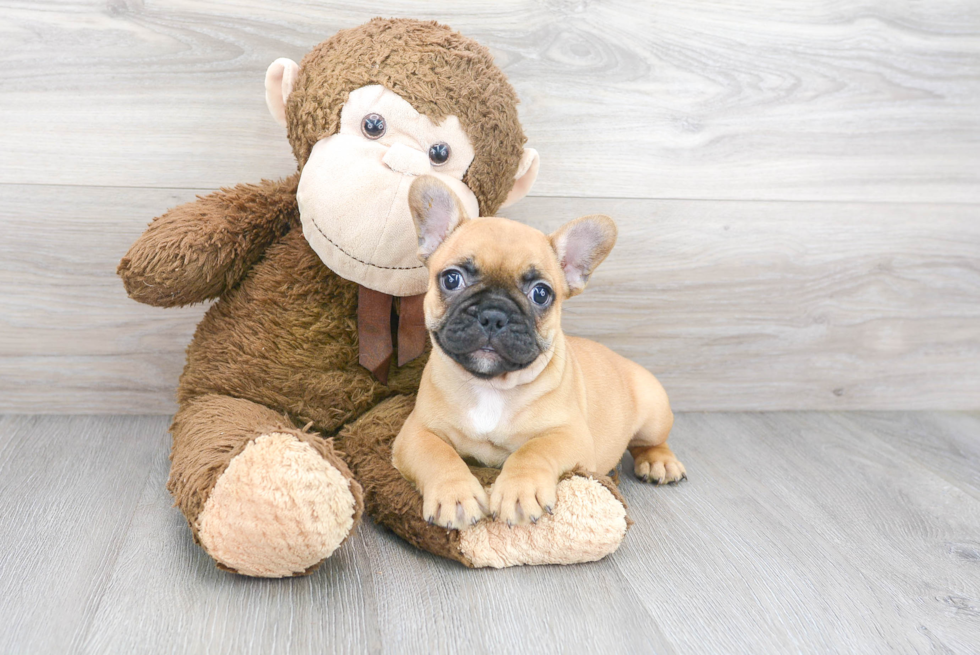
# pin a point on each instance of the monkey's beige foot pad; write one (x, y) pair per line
(589, 522)
(278, 510)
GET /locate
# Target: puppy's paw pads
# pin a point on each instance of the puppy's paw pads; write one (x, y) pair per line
(454, 503)
(522, 499)
(659, 467)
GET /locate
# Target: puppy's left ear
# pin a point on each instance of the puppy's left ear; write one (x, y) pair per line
(581, 246)
(436, 212)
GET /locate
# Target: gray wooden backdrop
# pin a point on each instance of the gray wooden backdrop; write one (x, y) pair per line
(796, 184)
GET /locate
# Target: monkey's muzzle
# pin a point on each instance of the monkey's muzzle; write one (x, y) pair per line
(362, 227)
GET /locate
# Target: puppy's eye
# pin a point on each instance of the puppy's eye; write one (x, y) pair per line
(373, 126)
(439, 153)
(541, 294)
(452, 280)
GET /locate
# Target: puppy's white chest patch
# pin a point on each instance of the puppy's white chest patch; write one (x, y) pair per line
(487, 411)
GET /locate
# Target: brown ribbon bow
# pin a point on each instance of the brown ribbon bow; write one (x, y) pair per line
(374, 330)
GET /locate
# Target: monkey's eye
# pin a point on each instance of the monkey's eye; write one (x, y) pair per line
(452, 280)
(373, 126)
(439, 153)
(541, 294)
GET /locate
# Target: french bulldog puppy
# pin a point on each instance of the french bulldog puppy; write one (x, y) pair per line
(504, 387)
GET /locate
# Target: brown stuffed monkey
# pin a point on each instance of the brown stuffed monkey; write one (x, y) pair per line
(301, 373)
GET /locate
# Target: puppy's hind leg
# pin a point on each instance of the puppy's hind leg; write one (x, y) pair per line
(653, 460)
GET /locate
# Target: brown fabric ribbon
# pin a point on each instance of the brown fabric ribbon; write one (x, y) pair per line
(374, 330)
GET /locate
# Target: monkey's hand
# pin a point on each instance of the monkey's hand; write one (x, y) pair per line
(199, 249)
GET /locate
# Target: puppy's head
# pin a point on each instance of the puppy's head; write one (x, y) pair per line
(496, 286)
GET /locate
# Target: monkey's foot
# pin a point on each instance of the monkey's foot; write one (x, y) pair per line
(588, 522)
(279, 509)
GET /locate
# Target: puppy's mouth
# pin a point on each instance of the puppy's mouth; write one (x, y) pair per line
(486, 361)
(488, 357)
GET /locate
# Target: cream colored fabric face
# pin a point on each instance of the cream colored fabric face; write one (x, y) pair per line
(353, 192)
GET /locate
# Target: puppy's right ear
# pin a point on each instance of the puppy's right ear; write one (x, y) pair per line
(436, 212)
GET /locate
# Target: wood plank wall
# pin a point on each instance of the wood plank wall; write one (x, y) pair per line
(797, 184)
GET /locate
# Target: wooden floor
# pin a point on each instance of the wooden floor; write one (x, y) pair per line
(797, 532)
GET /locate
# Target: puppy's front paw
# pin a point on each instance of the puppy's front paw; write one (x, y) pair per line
(454, 503)
(523, 497)
(658, 465)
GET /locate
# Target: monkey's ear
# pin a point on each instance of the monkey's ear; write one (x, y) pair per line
(279, 81)
(527, 172)
(436, 212)
(581, 245)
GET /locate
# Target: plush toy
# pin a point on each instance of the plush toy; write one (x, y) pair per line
(302, 372)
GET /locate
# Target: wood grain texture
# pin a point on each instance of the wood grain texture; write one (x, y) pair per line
(860, 293)
(428, 605)
(797, 532)
(948, 444)
(734, 305)
(787, 305)
(70, 338)
(376, 594)
(166, 596)
(68, 490)
(830, 100)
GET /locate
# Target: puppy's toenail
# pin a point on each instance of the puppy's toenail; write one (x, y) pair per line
(548, 509)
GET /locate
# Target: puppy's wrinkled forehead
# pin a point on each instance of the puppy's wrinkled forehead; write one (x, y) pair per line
(500, 248)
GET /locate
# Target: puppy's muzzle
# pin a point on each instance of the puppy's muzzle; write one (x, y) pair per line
(489, 335)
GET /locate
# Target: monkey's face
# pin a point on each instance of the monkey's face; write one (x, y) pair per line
(374, 107)
(353, 191)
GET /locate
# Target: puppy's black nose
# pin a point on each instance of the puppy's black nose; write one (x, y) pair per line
(492, 320)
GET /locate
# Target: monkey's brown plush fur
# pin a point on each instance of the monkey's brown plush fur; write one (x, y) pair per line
(272, 400)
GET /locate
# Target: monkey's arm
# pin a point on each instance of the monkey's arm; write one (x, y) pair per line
(198, 249)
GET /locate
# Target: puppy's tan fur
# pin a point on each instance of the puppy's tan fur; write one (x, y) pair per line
(577, 405)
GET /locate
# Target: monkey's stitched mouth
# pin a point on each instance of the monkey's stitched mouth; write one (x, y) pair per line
(359, 260)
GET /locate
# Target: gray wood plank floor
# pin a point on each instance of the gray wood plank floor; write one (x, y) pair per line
(797, 532)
